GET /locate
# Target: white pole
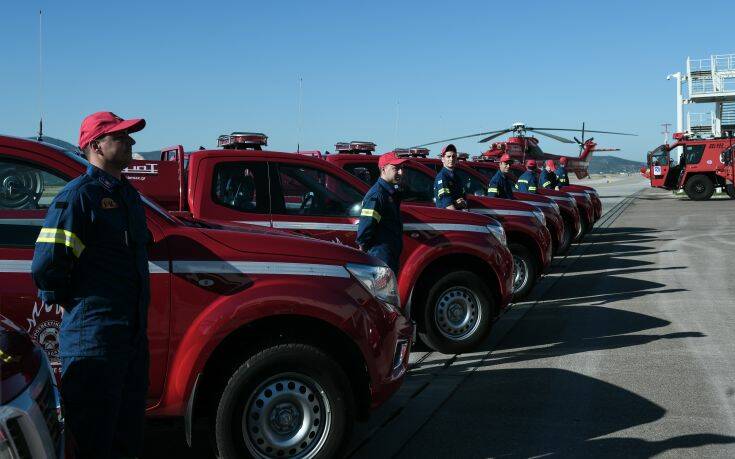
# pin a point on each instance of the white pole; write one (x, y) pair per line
(679, 107)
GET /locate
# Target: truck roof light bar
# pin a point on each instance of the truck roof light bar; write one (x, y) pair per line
(242, 141)
(355, 147)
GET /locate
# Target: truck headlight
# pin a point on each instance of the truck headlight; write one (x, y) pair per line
(379, 281)
(499, 232)
(555, 206)
(540, 217)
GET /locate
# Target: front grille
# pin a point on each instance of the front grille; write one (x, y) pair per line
(16, 433)
(47, 404)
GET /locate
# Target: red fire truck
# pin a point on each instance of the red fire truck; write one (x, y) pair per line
(456, 271)
(278, 341)
(528, 239)
(705, 164)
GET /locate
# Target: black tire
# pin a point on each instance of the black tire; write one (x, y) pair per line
(524, 270)
(584, 225)
(458, 313)
(730, 190)
(566, 241)
(307, 387)
(699, 188)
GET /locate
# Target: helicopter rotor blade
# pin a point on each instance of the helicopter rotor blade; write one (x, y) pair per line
(555, 137)
(579, 130)
(497, 134)
(462, 137)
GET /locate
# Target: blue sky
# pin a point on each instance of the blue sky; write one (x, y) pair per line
(195, 70)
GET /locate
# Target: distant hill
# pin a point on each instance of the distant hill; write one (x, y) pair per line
(613, 165)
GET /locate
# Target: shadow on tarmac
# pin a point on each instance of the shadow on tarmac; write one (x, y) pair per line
(518, 413)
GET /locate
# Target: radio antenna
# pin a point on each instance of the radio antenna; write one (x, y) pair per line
(398, 117)
(300, 120)
(40, 75)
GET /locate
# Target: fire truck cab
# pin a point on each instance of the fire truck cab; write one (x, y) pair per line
(456, 271)
(704, 165)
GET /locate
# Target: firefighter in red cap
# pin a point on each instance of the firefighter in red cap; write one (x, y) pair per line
(448, 191)
(91, 259)
(527, 181)
(500, 185)
(561, 173)
(548, 179)
(380, 230)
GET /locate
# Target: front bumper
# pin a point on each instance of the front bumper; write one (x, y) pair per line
(31, 420)
(391, 364)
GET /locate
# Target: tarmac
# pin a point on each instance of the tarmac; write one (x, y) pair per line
(625, 349)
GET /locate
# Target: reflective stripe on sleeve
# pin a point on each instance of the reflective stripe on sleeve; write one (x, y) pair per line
(61, 236)
(531, 188)
(492, 190)
(522, 181)
(370, 213)
(443, 191)
(547, 183)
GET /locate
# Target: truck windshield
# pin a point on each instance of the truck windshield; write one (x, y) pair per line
(486, 171)
(471, 184)
(658, 157)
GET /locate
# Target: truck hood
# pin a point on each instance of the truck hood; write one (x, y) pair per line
(285, 246)
(417, 213)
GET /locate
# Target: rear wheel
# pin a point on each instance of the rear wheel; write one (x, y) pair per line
(289, 400)
(730, 190)
(699, 188)
(458, 313)
(524, 270)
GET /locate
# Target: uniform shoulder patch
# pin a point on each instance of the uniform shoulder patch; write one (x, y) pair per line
(108, 203)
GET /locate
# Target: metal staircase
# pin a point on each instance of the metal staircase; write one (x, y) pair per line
(711, 80)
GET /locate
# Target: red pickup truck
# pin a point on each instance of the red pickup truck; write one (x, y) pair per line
(277, 341)
(528, 240)
(587, 202)
(456, 271)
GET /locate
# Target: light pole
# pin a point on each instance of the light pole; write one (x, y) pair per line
(679, 107)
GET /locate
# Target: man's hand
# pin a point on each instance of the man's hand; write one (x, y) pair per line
(460, 204)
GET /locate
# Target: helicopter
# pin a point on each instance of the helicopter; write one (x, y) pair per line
(522, 146)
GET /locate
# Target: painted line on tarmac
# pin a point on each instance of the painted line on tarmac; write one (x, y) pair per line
(432, 380)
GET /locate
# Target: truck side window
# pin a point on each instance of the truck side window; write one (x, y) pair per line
(310, 191)
(471, 184)
(26, 191)
(368, 173)
(241, 186)
(416, 186)
(693, 153)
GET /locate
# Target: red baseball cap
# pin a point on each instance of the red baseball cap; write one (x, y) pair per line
(506, 158)
(531, 163)
(390, 158)
(101, 123)
(449, 147)
(563, 160)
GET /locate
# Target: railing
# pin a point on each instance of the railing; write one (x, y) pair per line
(713, 75)
(701, 123)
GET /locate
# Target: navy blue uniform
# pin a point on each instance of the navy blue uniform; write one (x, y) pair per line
(500, 187)
(380, 231)
(527, 182)
(91, 258)
(447, 188)
(561, 175)
(548, 179)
